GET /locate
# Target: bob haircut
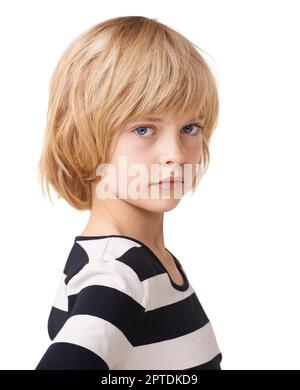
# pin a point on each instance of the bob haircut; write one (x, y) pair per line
(119, 70)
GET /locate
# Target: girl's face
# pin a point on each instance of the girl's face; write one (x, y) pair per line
(152, 149)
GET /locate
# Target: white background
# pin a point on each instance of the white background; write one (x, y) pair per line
(237, 238)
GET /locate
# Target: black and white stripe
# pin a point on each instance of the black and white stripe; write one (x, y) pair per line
(116, 307)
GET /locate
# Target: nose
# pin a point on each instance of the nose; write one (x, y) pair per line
(172, 150)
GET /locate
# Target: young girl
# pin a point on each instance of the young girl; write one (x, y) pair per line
(129, 94)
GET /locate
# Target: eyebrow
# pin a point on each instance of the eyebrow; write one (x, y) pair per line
(153, 119)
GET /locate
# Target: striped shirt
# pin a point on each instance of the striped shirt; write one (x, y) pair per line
(117, 308)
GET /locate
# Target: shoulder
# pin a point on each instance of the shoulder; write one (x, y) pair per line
(114, 262)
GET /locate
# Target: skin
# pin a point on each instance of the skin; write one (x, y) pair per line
(168, 144)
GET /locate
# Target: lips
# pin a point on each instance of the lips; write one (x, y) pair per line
(171, 180)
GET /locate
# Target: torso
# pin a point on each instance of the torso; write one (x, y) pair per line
(166, 259)
(171, 318)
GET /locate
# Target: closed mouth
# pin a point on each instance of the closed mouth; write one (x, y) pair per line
(172, 180)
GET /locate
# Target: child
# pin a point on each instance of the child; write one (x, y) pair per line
(128, 93)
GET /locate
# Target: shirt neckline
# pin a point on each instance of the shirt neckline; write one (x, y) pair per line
(181, 287)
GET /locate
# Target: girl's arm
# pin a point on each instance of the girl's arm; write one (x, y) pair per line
(106, 303)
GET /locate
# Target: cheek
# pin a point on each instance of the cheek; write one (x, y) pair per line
(131, 158)
(130, 163)
(131, 147)
(194, 149)
(193, 153)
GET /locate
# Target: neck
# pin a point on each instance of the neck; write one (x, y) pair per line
(118, 216)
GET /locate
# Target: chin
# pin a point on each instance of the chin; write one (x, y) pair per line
(155, 205)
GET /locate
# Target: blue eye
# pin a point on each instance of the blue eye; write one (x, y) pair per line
(143, 132)
(190, 131)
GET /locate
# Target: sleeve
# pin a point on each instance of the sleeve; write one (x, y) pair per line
(106, 304)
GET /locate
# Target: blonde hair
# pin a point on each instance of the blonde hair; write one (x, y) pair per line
(121, 69)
